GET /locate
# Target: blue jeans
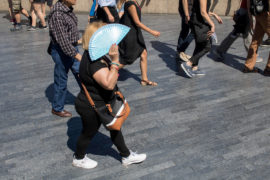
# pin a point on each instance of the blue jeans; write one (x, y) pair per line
(62, 65)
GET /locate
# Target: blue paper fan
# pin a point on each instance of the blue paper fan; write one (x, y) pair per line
(104, 37)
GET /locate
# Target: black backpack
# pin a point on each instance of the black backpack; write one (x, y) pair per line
(258, 6)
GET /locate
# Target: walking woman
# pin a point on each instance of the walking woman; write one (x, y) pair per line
(36, 10)
(100, 78)
(133, 45)
(202, 27)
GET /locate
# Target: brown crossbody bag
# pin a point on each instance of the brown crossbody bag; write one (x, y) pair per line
(111, 116)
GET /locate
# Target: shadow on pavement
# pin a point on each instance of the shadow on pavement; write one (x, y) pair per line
(101, 144)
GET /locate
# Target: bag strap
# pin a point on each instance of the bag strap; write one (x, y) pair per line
(88, 97)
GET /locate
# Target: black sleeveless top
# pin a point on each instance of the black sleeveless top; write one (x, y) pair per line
(196, 10)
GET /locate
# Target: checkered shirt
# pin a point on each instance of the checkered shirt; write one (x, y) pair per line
(63, 28)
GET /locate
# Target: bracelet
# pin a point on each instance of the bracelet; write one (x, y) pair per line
(115, 67)
(115, 64)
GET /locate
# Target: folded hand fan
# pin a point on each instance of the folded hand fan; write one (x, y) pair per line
(104, 37)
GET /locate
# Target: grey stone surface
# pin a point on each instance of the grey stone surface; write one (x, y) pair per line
(211, 127)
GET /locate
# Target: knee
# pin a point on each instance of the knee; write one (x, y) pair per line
(144, 54)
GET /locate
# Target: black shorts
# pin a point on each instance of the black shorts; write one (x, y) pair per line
(39, 1)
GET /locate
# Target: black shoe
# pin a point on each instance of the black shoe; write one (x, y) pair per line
(266, 72)
(247, 70)
(266, 43)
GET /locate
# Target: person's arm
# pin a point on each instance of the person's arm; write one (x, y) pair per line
(185, 8)
(105, 77)
(133, 12)
(203, 6)
(219, 20)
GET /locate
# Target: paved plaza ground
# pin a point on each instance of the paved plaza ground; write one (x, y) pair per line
(212, 127)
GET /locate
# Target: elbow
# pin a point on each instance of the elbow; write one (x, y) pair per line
(109, 86)
(138, 24)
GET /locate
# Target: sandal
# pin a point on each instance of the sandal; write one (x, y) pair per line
(247, 70)
(148, 83)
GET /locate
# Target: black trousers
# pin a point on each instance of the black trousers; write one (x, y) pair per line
(202, 42)
(185, 36)
(91, 124)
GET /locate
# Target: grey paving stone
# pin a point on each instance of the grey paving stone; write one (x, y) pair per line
(212, 127)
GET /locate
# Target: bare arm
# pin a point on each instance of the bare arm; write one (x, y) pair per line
(185, 7)
(105, 77)
(133, 12)
(219, 20)
(206, 17)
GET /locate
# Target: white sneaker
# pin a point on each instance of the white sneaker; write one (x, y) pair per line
(133, 158)
(259, 59)
(85, 163)
(184, 56)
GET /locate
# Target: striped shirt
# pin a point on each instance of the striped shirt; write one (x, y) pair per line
(63, 28)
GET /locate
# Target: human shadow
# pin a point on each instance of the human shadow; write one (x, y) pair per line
(229, 59)
(146, 2)
(167, 54)
(124, 74)
(70, 98)
(215, 2)
(99, 145)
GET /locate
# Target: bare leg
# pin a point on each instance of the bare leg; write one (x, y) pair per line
(143, 66)
(38, 11)
(34, 17)
(24, 12)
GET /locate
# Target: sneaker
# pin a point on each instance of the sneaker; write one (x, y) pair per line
(43, 27)
(133, 158)
(183, 56)
(187, 69)
(259, 59)
(218, 54)
(266, 72)
(266, 43)
(197, 72)
(85, 163)
(16, 28)
(32, 28)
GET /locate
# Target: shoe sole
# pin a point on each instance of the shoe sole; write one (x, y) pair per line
(265, 45)
(187, 73)
(84, 167)
(133, 162)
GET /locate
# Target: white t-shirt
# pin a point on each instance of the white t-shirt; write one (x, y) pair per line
(103, 3)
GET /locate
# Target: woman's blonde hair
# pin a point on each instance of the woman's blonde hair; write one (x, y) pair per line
(120, 3)
(89, 31)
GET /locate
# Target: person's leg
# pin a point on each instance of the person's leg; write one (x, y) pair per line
(143, 66)
(118, 140)
(34, 18)
(201, 49)
(91, 124)
(38, 11)
(43, 9)
(265, 22)
(60, 78)
(256, 41)
(183, 34)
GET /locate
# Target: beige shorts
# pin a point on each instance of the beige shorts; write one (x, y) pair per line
(16, 6)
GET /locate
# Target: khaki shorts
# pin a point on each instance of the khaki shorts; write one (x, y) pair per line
(16, 6)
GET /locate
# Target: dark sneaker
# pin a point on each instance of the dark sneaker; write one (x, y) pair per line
(266, 72)
(218, 54)
(32, 28)
(187, 69)
(43, 27)
(266, 43)
(247, 70)
(198, 72)
(16, 28)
